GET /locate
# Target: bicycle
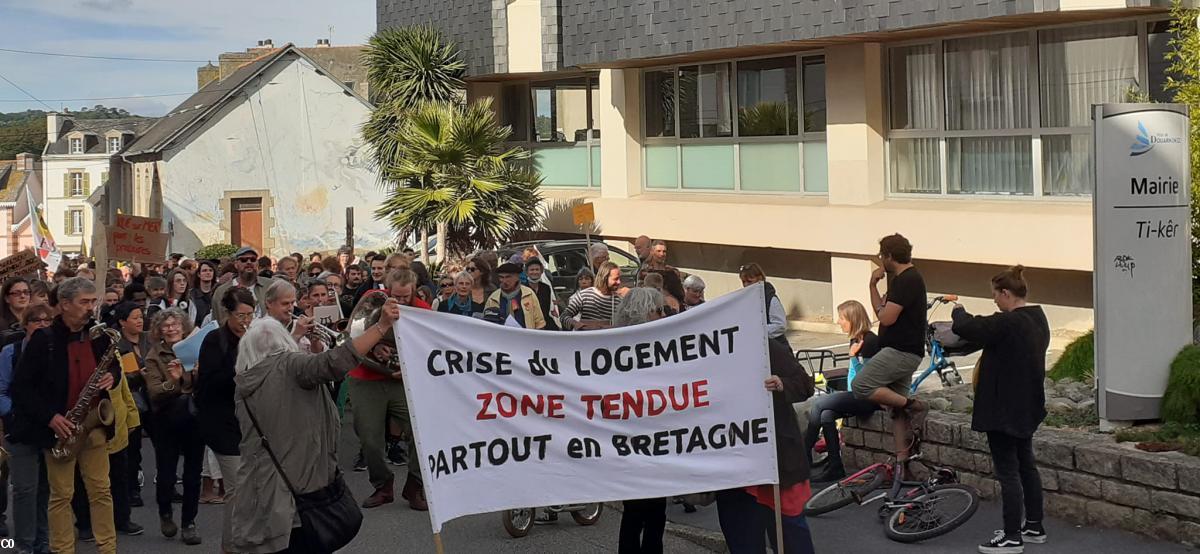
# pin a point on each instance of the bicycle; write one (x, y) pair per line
(938, 352)
(912, 511)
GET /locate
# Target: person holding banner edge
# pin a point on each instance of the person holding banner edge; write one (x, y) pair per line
(279, 398)
(747, 515)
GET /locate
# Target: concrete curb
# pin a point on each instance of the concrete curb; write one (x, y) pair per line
(713, 541)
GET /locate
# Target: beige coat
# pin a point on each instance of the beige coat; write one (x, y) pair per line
(301, 422)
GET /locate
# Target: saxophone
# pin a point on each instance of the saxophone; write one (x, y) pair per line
(82, 415)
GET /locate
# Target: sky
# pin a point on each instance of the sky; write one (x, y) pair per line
(174, 29)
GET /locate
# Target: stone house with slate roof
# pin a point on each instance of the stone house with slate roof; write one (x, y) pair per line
(79, 157)
(796, 133)
(270, 156)
(15, 177)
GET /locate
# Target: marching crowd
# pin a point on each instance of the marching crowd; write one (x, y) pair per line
(87, 374)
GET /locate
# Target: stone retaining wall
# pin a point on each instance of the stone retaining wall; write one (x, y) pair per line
(1088, 478)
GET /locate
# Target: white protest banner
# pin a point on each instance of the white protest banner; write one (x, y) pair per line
(515, 418)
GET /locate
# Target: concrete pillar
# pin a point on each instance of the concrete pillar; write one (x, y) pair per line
(851, 278)
(524, 18)
(620, 112)
(854, 92)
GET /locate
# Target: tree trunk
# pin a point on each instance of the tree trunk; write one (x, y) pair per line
(425, 246)
(441, 242)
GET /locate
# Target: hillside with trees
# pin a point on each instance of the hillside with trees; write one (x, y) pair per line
(26, 131)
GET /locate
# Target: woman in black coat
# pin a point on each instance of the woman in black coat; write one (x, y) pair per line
(747, 515)
(1010, 402)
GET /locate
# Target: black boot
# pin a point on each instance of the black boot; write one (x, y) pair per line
(833, 470)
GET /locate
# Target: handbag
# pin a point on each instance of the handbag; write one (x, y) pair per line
(329, 517)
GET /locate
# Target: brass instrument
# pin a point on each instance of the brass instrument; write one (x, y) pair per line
(364, 315)
(83, 415)
(325, 335)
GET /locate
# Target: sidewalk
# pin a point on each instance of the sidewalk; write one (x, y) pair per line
(857, 529)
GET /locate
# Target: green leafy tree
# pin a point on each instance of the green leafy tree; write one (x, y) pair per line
(1183, 81)
(456, 170)
(444, 163)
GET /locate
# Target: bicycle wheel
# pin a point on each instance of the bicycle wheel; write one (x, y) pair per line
(932, 514)
(845, 492)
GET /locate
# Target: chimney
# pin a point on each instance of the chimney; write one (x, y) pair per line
(54, 123)
(322, 43)
(25, 161)
(206, 75)
(267, 43)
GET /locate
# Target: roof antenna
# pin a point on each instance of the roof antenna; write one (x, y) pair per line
(331, 35)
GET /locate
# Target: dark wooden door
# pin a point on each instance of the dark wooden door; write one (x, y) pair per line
(247, 223)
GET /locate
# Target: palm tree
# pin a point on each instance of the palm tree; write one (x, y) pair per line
(407, 66)
(455, 170)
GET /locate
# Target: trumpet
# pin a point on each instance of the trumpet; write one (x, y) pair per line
(327, 336)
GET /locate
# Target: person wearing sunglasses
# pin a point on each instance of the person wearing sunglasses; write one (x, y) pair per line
(247, 278)
(31, 490)
(444, 292)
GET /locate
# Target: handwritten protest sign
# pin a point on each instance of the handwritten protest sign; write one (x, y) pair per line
(507, 418)
(137, 239)
(24, 262)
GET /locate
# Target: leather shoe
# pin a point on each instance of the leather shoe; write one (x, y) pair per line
(168, 527)
(383, 495)
(414, 493)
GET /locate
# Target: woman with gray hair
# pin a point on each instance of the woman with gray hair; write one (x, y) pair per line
(643, 521)
(465, 300)
(693, 291)
(279, 398)
(175, 432)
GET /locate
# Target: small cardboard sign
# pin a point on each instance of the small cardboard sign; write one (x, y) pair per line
(584, 213)
(24, 262)
(327, 315)
(137, 239)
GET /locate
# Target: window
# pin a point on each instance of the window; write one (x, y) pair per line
(77, 146)
(76, 184)
(75, 222)
(514, 110)
(967, 115)
(561, 110)
(775, 144)
(114, 145)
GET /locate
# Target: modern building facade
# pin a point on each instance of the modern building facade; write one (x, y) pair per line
(796, 133)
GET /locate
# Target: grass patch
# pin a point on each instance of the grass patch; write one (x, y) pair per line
(1185, 436)
(1074, 419)
(1078, 360)
(1181, 402)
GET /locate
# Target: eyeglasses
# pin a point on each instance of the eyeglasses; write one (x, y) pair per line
(243, 317)
(247, 260)
(446, 284)
(18, 292)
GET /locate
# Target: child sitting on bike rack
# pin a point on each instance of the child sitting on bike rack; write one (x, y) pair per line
(829, 408)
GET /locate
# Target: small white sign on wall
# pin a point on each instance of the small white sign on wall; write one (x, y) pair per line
(1142, 275)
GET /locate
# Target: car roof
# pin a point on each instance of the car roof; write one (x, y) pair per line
(558, 244)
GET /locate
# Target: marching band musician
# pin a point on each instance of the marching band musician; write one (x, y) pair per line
(50, 378)
(280, 303)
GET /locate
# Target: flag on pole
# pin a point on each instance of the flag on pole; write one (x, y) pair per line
(43, 242)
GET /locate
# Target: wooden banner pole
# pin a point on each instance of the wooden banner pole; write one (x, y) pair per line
(778, 521)
(437, 543)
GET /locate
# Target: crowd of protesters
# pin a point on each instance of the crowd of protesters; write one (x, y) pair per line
(263, 369)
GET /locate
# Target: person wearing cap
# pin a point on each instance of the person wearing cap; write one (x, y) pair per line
(247, 278)
(513, 299)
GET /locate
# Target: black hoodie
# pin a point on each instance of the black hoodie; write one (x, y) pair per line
(1009, 394)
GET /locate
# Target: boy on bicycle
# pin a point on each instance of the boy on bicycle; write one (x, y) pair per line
(887, 376)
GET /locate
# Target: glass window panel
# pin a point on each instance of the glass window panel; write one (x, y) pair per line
(708, 167)
(1081, 66)
(560, 111)
(767, 100)
(814, 95)
(1158, 39)
(595, 164)
(1067, 165)
(915, 165)
(770, 167)
(662, 167)
(660, 103)
(915, 86)
(514, 110)
(990, 165)
(987, 82)
(816, 167)
(593, 101)
(705, 106)
(563, 167)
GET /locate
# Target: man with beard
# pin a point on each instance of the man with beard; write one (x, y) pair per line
(247, 278)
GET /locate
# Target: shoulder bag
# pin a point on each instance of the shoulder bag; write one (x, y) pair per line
(329, 517)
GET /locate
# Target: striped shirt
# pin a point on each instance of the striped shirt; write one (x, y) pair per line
(590, 304)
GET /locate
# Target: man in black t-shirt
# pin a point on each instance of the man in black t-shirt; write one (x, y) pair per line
(887, 376)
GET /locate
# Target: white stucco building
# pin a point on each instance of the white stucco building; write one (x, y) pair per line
(76, 162)
(270, 156)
